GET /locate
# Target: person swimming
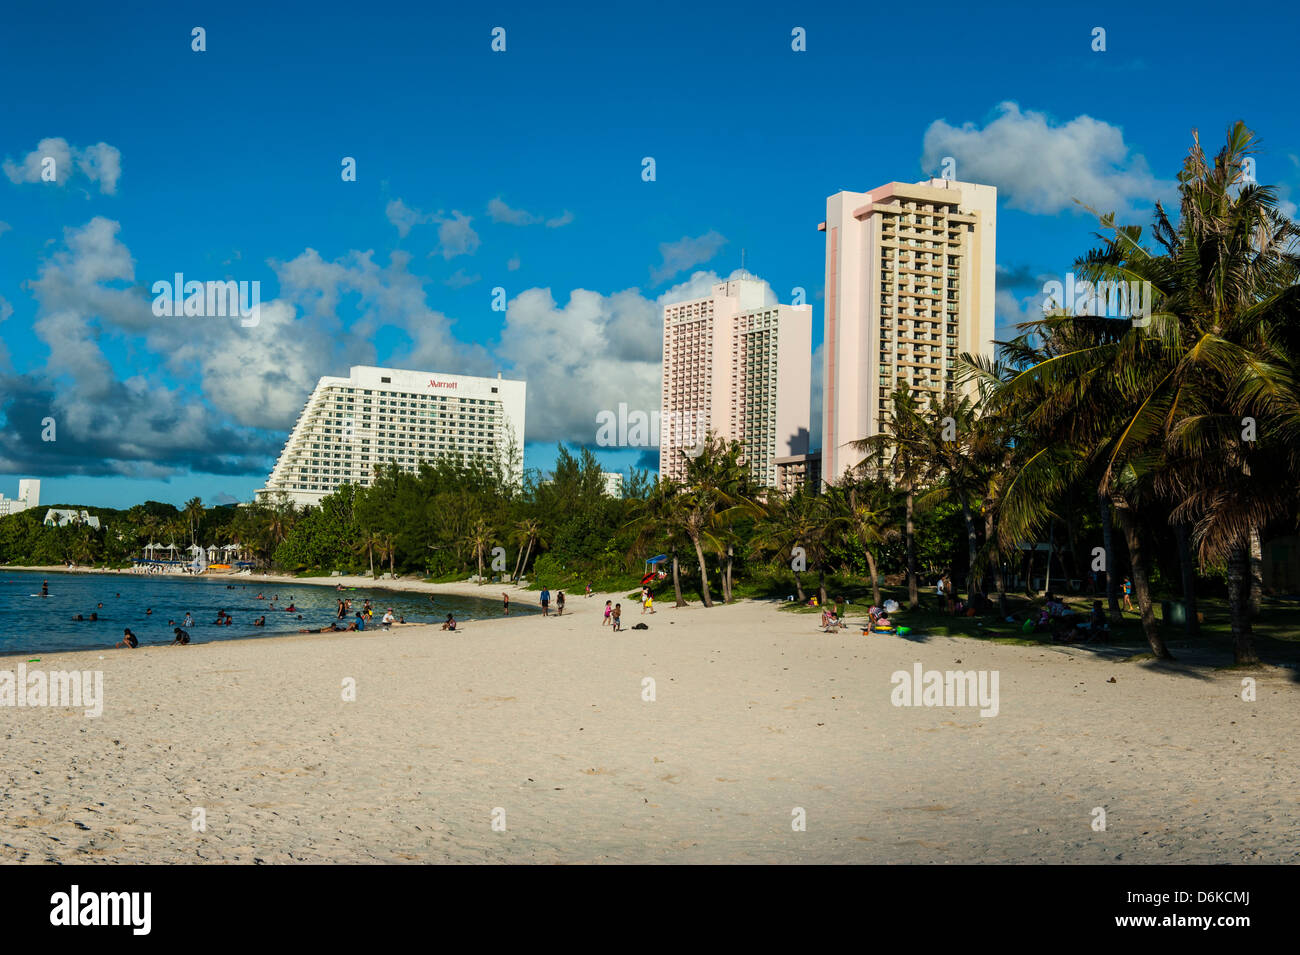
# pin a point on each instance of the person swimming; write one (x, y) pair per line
(148, 611)
(189, 620)
(128, 640)
(260, 621)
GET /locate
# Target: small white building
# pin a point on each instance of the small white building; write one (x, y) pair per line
(613, 484)
(29, 496)
(63, 516)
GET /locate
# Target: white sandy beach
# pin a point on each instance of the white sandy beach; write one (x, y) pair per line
(756, 713)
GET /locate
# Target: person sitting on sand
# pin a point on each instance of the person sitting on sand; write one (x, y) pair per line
(450, 623)
(129, 640)
(388, 618)
(360, 623)
(182, 638)
(401, 619)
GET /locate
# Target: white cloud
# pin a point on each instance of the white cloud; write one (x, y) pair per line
(404, 217)
(456, 236)
(100, 163)
(589, 354)
(1042, 167)
(499, 211)
(460, 279)
(685, 253)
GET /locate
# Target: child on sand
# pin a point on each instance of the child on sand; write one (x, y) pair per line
(617, 617)
(450, 623)
(128, 640)
(182, 638)
(505, 603)
(609, 610)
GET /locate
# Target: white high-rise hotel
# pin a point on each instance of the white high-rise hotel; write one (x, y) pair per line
(910, 273)
(739, 366)
(381, 415)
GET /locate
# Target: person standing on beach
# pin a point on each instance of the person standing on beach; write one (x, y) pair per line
(546, 602)
(609, 611)
(505, 603)
(618, 617)
(1128, 592)
(588, 593)
(559, 604)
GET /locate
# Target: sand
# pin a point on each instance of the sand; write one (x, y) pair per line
(757, 715)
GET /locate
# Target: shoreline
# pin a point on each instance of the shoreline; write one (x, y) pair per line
(460, 588)
(405, 585)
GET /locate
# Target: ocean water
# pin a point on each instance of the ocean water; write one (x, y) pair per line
(33, 624)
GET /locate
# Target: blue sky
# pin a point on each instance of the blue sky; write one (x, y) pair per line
(522, 170)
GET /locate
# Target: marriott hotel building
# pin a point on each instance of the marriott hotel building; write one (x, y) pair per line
(376, 416)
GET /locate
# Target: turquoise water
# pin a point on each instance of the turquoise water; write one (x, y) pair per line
(36, 624)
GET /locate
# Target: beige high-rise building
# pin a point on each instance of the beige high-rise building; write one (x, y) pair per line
(910, 284)
(740, 366)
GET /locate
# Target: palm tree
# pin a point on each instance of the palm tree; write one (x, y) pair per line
(870, 508)
(479, 539)
(530, 531)
(901, 448)
(661, 518)
(193, 512)
(1221, 349)
(370, 542)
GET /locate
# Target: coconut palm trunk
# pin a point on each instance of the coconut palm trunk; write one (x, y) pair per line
(528, 553)
(1141, 587)
(875, 578)
(972, 545)
(912, 598)
(704, 571)
(1192, 625)
(1107, 543)
(677, 582)
(1243, 640)
(1256, 573)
